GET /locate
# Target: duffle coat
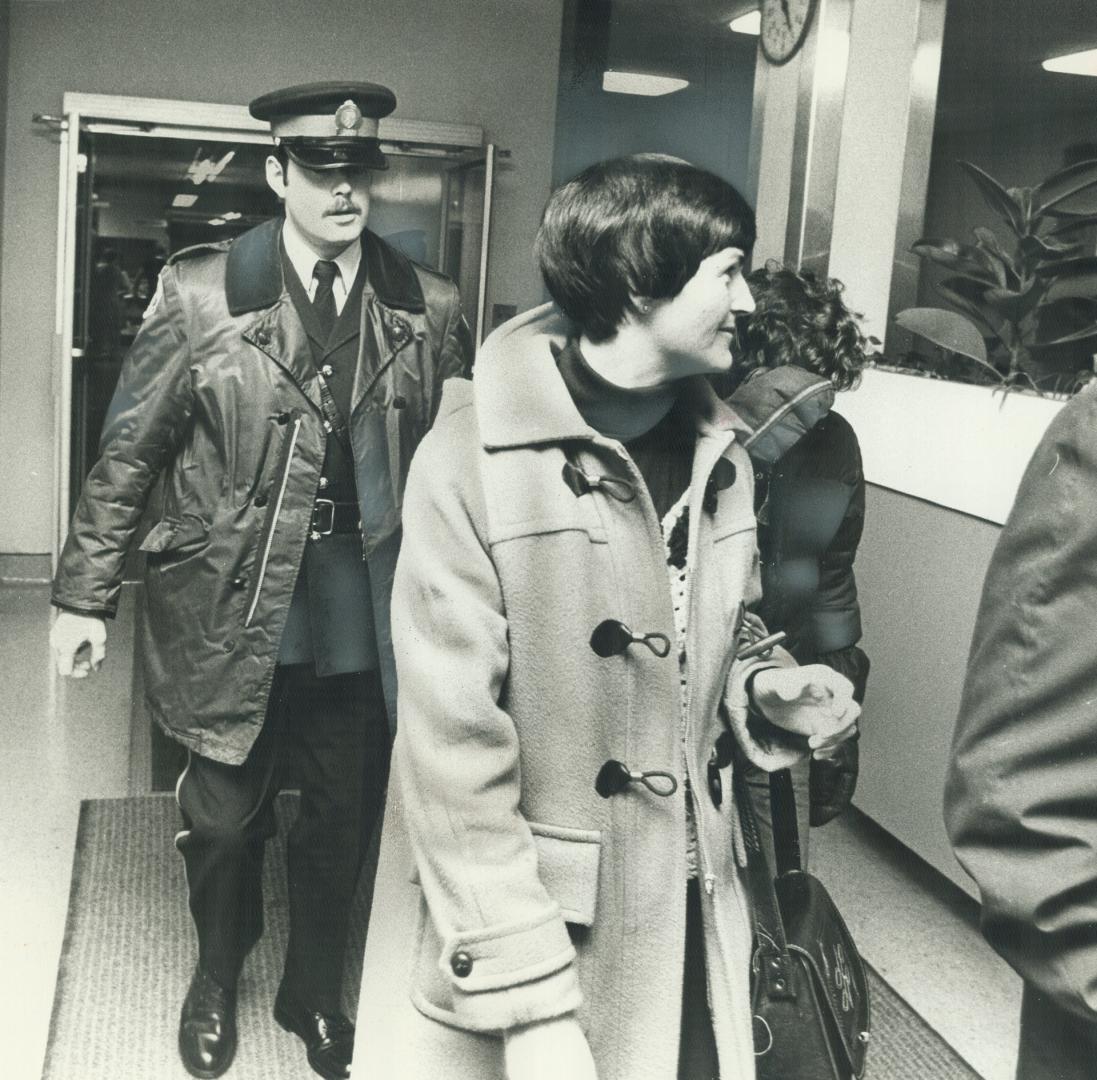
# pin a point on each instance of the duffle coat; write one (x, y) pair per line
(509, 890)
(219, 396)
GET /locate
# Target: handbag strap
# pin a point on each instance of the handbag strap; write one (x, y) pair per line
(769, 925)
(786, 830)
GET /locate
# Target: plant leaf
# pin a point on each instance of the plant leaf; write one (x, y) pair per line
(1066, 268)
(996, 196)
(1066, 320)
(948, 329)
(990, 244)
(1065, 184)
(968, 298)
(1067, 222)
(1042, 247)
(955, 256)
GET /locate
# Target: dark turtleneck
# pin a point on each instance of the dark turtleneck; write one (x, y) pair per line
(658, 436)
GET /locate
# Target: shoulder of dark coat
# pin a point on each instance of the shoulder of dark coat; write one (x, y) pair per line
(437, 287)
(196, 250)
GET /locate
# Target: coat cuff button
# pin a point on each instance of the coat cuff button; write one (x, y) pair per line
(461, 963)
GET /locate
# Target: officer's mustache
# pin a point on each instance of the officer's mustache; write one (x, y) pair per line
(343, 208)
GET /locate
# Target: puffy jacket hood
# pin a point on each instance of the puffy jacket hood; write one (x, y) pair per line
(780, 405)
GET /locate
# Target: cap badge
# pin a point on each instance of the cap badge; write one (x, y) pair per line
(347, 118)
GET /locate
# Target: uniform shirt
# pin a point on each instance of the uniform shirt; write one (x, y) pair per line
(303, 260)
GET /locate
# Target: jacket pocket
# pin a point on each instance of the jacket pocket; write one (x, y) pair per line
(171, 540)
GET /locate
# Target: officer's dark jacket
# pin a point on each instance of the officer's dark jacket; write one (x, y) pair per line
(810, 491)
(219, 395)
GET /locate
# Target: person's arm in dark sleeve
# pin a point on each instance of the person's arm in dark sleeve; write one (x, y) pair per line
(1021, 794)
(455, 357)
(148, 416)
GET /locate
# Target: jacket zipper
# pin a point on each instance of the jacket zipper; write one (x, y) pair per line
(277, 509)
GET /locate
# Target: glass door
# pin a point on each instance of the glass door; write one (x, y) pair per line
(142, 179)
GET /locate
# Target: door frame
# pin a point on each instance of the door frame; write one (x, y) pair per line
(160, 118)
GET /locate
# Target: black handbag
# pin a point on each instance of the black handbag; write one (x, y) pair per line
(809, 994)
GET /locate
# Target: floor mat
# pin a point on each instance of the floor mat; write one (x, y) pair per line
(129, 952)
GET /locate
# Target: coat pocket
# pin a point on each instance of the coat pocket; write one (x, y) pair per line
(171, 540)
(567, 864)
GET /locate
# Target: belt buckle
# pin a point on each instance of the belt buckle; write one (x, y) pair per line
(318, 506)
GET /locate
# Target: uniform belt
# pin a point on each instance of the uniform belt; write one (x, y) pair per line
(330, 517)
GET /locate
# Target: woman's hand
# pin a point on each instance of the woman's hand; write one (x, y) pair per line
(553, 1049)
(813, 701)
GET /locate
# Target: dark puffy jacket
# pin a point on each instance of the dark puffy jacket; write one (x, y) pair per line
(810, 501)
(220, 397)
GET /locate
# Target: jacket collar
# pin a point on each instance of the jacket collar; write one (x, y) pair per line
(253, 276)
(521, 399)
(781, 405)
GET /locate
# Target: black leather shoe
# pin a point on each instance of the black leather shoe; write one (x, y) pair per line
(328, 1037)
(207, 1027)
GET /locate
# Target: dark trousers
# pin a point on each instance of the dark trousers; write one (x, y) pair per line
(697, 1058)
(331, 736)
(1055, 1044)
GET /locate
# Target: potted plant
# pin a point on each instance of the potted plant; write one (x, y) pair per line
(1033, 298)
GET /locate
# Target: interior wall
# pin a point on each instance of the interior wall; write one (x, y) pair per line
(444, 60)
(706, 123)
(920, 572)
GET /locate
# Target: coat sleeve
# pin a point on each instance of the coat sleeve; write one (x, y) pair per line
(1021, 795)
(455, 356)
(834, 620)
(457, 762)
(148, 415)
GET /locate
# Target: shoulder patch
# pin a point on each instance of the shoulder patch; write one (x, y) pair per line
(194, 250)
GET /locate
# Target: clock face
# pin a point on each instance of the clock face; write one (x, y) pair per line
(785, 24)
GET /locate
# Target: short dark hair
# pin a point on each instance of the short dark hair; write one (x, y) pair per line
(800, 318)
(634, 226)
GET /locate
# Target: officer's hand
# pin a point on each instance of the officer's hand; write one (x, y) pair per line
(78, 643)
(550, 1050)
(813, 701)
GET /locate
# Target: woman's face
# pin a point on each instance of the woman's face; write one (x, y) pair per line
(694, 330)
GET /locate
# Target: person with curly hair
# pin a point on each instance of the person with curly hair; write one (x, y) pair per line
(803, 343)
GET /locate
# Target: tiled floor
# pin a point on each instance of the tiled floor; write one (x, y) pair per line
(61, 742)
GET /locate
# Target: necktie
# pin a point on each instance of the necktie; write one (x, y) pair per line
(323, 300)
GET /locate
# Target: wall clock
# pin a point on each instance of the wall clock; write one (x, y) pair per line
(785, 24)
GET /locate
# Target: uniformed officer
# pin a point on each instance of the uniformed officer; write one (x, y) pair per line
(279, 385)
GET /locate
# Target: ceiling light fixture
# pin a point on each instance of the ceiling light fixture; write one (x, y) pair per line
(750, 23)
(1079, 63)
(181, 201)
(637, 82)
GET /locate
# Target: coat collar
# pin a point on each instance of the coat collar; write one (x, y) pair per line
(521, 399)
(253, 276)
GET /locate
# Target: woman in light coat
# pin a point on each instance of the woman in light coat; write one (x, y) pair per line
(561, 862)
